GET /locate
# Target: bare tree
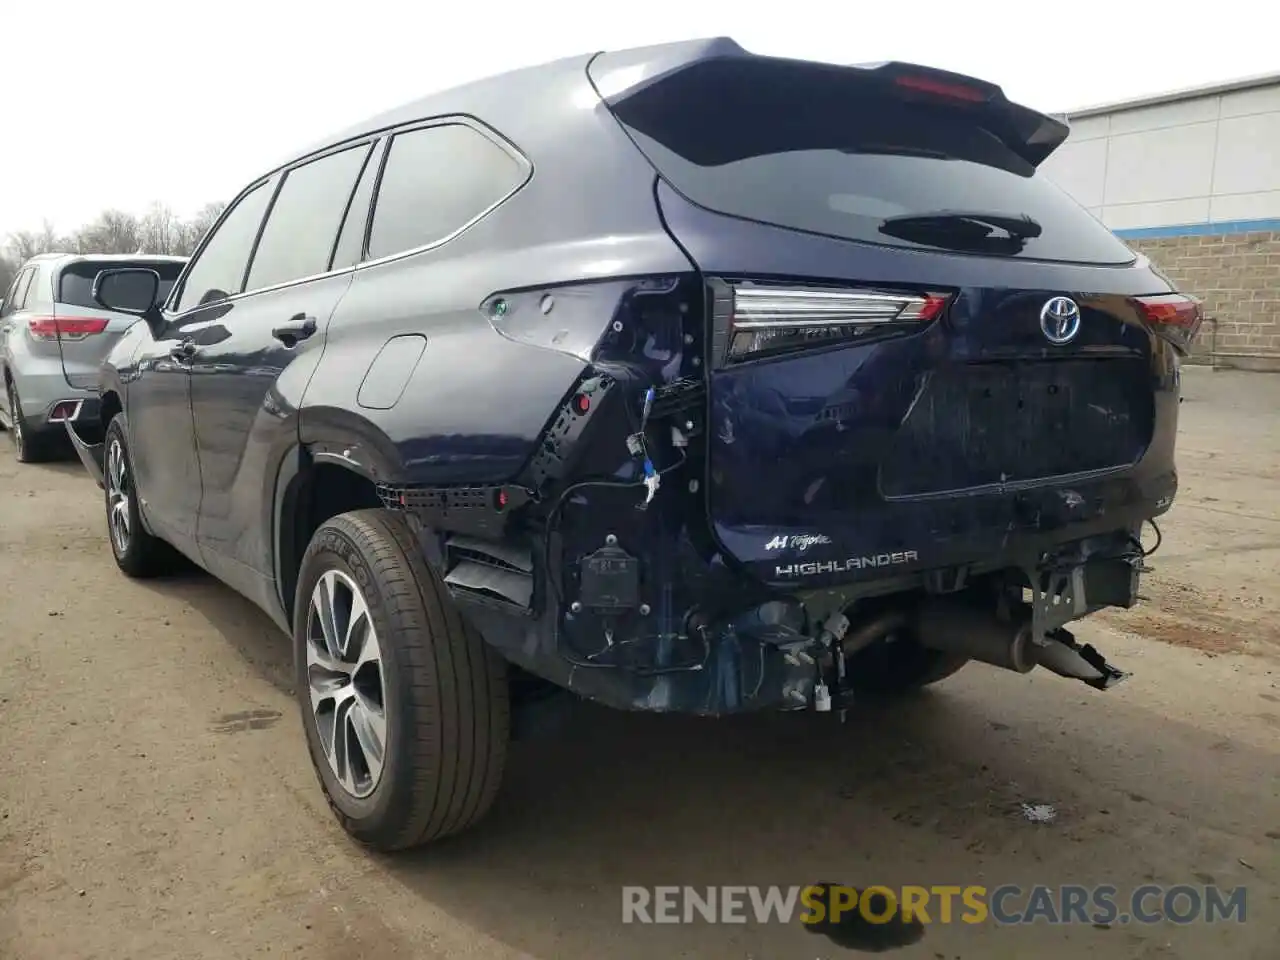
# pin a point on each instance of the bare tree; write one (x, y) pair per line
(161, 231)
(23, 245)
(26, 244)
(8, 270)
(193, 230)
(114, 231)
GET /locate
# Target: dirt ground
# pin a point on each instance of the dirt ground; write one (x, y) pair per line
(156, 801)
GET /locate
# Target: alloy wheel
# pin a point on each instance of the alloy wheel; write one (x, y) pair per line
(15, 421)
(119, 485)
(347, 685)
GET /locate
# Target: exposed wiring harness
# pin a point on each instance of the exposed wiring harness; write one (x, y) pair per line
(1159, 540)
(558, 504)
(691, 667)
(1136, 540)
(554, 587)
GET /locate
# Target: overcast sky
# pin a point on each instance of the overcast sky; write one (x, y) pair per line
(124, 102)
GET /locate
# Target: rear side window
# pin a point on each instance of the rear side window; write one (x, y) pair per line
(218, 269)
(24, 282)
(17, 290)
(848, 158)
(38, 289)
(436, 181)
(75, 285)
(350, 247)
(305, 218)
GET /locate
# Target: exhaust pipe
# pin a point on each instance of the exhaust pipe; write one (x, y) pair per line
(871, 631)
(978, 634)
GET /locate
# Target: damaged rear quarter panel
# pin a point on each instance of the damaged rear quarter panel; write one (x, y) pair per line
(477, 401)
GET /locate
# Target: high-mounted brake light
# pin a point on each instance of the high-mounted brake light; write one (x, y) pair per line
(767, 319)
(940, 88)
(65, 328)
(1175, 316)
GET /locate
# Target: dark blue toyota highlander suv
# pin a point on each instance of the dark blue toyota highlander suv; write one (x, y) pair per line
(677, 379)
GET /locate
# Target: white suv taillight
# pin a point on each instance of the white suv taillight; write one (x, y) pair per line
(766, 319)
(65, 328)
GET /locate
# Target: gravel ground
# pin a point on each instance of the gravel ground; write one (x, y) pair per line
(156, 800)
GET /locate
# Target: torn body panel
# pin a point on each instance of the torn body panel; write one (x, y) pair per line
(91, 454)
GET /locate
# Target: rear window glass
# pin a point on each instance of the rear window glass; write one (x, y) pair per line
(842, 158)
(75, 288)
(436, 181)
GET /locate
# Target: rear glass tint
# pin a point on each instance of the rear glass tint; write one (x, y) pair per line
(808, 151)
(75, 287)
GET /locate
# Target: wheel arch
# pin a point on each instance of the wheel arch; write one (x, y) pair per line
(110, 404)
(111, 395)
(319, 480)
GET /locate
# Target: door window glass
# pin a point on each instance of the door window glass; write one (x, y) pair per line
(304, 219)
(350, 248)
(218, 269)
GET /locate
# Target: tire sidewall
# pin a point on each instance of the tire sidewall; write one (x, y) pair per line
(130, 557)
(20, 433)
(333, 548)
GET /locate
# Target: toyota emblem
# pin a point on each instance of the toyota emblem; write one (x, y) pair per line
(1060, 320)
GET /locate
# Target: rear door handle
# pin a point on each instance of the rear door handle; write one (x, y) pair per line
(299, 327)
(184, 351)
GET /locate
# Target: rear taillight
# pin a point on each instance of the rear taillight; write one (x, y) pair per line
(765, 320)
(65, 328)
(1175, 316)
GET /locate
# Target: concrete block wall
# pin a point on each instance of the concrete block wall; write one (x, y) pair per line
(1238, 277)
(1193, 181)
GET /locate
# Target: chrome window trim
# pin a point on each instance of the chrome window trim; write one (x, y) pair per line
(474, 123)
(493, 136)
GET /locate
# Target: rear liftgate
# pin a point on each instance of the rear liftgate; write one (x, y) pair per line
(822, 433)
(904, 423)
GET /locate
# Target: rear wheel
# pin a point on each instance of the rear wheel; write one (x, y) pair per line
(137, 552)
(405, 708)
(28, 446)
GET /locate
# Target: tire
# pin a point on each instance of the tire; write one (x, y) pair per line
(28, 446)
(138, 554)
(439, 698)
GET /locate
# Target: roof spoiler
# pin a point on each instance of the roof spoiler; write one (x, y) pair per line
(1031, 135)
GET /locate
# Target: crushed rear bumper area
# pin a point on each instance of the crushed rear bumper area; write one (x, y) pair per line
(800, 652)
